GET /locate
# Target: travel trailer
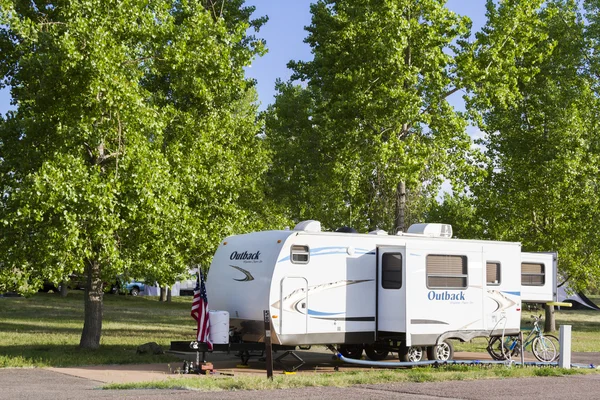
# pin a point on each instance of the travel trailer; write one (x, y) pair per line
(411, 292)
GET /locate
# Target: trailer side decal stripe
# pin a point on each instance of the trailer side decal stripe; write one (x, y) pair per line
(248, 275)
(427, 322)
(320, 313)
(324, 251)
(359, 319)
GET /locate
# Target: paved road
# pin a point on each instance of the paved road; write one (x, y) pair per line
(38, 384)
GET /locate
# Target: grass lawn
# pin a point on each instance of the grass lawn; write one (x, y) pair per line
(44, 330)
(345, 379)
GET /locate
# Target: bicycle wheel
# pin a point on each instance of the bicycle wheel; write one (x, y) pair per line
(556, 343)
(498, 349)
(543, 349)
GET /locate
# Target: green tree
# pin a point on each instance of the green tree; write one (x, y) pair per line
(134, 146)
(459, 211)
(541, 185)
(374, 122)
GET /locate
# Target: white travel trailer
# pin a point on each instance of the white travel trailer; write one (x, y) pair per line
(408, 292)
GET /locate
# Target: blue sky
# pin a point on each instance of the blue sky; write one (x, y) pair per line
(285, 33)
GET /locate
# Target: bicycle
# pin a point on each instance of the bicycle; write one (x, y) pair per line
(543, 347)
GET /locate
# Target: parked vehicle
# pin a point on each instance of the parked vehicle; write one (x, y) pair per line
(74, 282)
(187, 282)
(132, 287)
(409, 293)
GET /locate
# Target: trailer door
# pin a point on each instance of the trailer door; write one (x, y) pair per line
(390, 316)
(293, 306)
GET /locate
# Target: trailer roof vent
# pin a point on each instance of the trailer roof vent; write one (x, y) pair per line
(431, 230)
(378, 232)
(308, 226)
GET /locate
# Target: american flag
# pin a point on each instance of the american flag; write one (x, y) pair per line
(200, 310)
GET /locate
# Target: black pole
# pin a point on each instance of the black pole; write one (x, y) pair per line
(268, 348)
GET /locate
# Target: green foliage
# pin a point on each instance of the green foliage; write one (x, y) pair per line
(458, 211)
(134, 145)
(375, 110)
(541, 183)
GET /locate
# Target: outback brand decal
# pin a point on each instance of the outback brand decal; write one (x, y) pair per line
(433, 295)
(248, 276)
(245, 256)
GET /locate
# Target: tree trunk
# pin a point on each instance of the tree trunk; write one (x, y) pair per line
(168, 294)
(92, 326)
(63, 289)
(400, 207)
(163, 293)
(550, 322)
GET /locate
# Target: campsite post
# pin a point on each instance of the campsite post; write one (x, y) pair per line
(268, 348)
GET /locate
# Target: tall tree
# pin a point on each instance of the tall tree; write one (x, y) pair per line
(541, 186)
(133, 148)
(379, 128)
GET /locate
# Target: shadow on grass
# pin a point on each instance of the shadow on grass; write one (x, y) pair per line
(49, 327)
(118, 309)
(45, 355)
(40, 327)
(582, 320)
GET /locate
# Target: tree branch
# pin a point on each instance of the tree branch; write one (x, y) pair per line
(444, 96)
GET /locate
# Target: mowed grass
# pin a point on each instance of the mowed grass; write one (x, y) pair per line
(345, 379)
(44, 330)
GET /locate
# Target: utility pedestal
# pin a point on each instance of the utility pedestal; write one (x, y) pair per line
(565, 347)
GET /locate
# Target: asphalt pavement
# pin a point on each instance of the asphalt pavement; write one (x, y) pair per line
(35, 384)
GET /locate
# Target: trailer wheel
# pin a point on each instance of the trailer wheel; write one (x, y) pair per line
(376, 352)
(351, 350)
(442, 352)
(411, 353)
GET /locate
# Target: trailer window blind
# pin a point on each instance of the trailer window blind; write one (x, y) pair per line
(532, 274)
(391, 270)
(445, 271)
(492, 273)
(300, 254)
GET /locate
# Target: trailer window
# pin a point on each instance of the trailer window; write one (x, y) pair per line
(391, 270)
(532, 274)
(492, 273)
(300, 254)
(445, 271)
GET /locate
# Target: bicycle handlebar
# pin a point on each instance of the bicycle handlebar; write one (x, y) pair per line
(537, 319)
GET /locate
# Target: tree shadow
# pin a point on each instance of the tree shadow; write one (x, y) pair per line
(53, 355)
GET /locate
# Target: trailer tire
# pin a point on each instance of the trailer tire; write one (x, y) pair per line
(411, 353)
(376, 352)
(441, 352)
(353, 351)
